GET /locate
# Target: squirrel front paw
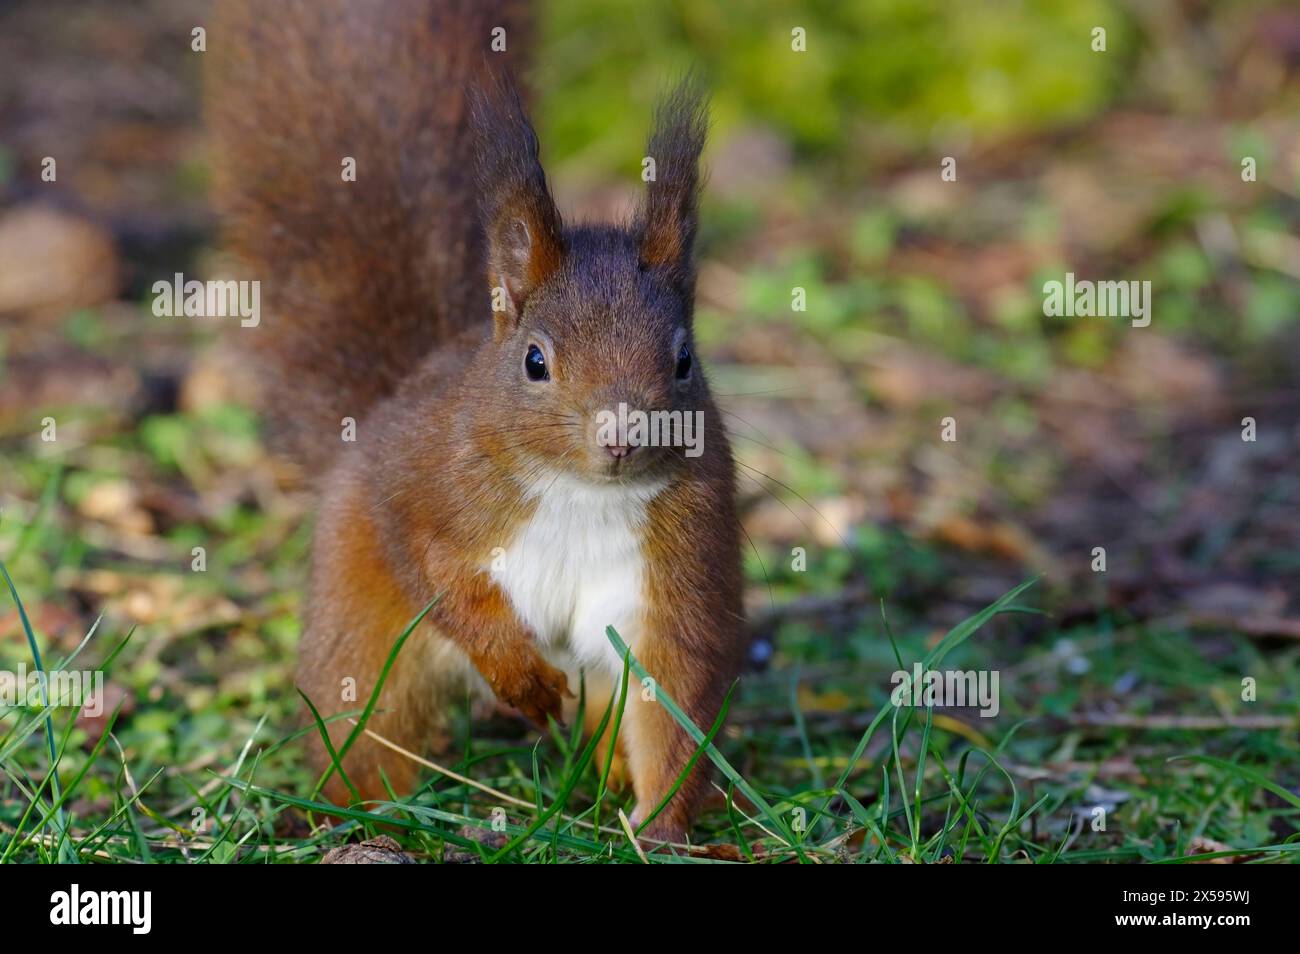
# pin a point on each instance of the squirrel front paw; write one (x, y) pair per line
(530, 684)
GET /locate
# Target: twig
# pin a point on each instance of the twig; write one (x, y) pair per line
(1195, 723)
(631, 836)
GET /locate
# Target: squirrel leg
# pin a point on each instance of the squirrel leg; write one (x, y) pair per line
(355, 616)
(600, 689)
(658, 749)
(355, 613)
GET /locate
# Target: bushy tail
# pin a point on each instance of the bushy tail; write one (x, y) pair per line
(344, 174)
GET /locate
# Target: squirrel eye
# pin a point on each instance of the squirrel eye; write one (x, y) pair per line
(683, 363)
(535, 364)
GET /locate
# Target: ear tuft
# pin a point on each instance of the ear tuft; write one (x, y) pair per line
(525, 241)
(670, 215)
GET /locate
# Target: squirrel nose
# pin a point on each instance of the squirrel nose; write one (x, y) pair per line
(618, 451)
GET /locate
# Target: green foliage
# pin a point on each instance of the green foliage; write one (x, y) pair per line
(912, 66)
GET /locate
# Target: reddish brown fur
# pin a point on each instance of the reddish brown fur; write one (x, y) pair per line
(360, 280)
(437, 476)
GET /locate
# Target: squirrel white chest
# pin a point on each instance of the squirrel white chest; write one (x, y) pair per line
(577, 566)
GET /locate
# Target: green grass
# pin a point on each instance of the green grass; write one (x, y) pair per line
(832, 773)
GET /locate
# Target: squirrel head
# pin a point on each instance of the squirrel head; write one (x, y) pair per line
(592, 353)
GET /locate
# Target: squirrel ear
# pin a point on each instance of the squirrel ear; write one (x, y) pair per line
(670, 214)
(525, 242)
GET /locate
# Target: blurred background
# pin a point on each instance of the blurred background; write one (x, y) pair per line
(924, 301)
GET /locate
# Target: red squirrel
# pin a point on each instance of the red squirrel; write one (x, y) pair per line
(439, 302)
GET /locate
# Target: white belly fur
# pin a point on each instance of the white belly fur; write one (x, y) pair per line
(577, 566)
